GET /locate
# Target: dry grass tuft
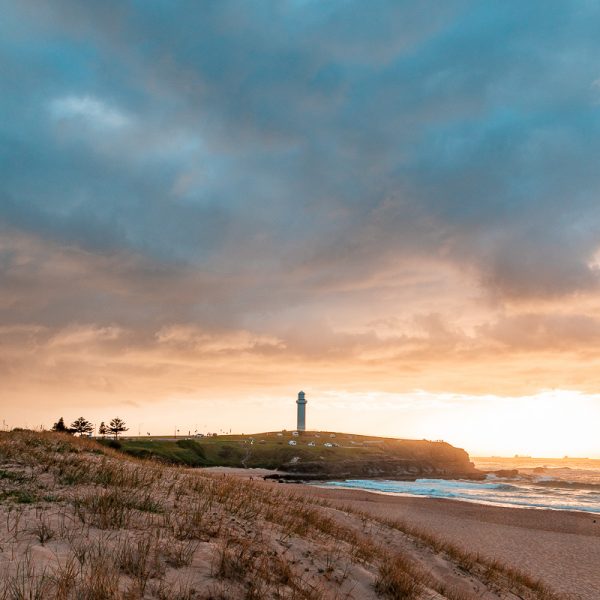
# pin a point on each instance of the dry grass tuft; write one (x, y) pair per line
(397, 580)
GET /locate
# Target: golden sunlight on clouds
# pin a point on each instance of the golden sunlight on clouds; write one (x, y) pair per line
(360, 348)
(186, 378)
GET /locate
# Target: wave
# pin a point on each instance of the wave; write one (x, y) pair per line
(545, 481)
(526, 493)
(569, 485)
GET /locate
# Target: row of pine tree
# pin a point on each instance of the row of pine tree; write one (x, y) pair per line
(82, 426)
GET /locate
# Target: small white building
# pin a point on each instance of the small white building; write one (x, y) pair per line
(328, 445)
(292, 442)
(311, 443)
(295, 433)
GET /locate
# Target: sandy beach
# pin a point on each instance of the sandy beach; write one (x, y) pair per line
(561, 548)
(243, 473)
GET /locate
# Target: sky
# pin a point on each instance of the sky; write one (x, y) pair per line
(206, 206)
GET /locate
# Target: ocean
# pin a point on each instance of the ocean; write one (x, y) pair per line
(558, 484)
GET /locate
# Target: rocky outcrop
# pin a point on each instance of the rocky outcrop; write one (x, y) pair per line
(421, 459)
(505, 473)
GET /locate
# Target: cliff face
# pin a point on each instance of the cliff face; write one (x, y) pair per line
(404, 460)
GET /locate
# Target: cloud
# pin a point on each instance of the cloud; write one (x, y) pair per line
(384, 195)
(191, 339)
(311, 137)
(83, 337)
(88, 109)
(577, 333)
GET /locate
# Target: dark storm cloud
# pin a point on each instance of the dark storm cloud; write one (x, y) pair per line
(272, 148)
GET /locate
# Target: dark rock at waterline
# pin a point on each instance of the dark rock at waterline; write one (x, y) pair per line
(505, 473)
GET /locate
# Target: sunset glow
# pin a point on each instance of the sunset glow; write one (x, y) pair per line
(201, 216)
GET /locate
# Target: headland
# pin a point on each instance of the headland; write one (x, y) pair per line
(311, 455)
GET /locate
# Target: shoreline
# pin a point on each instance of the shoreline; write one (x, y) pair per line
(274, 477)
(560, 547)
(397, 498)
(588, 513)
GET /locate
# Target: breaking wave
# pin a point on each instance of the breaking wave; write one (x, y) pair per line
(528, 492)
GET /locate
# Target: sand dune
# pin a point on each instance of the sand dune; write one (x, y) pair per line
(562, 548)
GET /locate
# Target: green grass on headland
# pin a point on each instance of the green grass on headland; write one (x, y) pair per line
(271, 450)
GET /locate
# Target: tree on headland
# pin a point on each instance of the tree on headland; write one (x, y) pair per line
(60, 426)
(102, 429)
(117, 426)
(82, 426)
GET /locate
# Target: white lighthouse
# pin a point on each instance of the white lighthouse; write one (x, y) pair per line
(301, 402)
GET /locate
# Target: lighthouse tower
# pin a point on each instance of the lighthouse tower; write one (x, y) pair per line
(301, 402)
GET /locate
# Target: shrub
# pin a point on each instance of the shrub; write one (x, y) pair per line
(195, 447)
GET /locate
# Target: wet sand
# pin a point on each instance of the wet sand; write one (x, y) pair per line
(254, 473)
(559, 547)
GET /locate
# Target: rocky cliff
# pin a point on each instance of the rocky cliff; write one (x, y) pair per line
(397, 459)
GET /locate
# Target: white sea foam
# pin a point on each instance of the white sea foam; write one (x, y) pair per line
(520, 492)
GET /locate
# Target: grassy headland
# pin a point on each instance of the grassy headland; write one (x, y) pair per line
(318, 455)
